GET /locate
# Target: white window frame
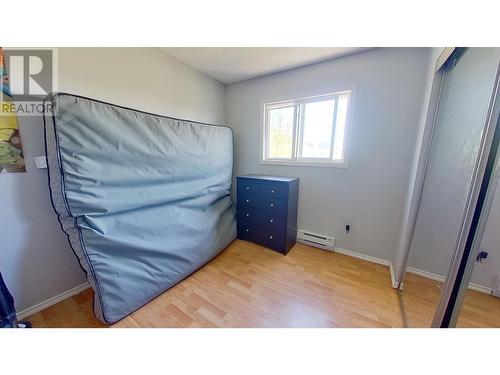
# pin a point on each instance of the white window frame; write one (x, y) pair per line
(298, 103)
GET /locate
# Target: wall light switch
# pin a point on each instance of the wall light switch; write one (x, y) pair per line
(40, 162)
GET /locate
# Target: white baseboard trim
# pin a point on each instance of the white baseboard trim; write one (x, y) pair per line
(440, 278)
(394, 283)
(480, 288)
(52, 301)
(369, 258)
(427, 275)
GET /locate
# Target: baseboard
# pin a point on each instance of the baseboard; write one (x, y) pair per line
(52, 301)
(394, 283)
(480, 288)
(369, 258)
(441, 278)
(427, 275)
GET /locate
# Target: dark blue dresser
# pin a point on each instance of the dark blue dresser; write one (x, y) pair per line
(267, 210)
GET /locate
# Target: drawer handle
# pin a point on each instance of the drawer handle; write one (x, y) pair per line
(272, 191)
(247, 215)
(247, 230)
(272, 204)
(270, 237)
(247, 188)
(247, 200)
(271, 221)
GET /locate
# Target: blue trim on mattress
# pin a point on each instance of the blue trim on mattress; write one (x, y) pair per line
(63, 191)
(56, 94)
(65, 199)
(51, 195)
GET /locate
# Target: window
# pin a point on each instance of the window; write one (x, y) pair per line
(306, 131)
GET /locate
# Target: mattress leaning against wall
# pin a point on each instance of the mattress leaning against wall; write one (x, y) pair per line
(144, 199)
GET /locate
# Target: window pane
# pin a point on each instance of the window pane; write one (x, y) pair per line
(318, 122)
(280, 133)
(338, 143)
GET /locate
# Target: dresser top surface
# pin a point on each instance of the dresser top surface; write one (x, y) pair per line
(268, 178)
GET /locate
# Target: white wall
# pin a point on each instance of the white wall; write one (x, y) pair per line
(142, 78)
(370, 193)
(35, 258)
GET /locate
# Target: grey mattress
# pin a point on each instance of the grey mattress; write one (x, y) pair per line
(144, 199)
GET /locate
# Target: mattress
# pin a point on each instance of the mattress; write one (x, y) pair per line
(144, 199)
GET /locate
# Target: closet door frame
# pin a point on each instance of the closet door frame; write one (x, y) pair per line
(479, 201)
(423, 162)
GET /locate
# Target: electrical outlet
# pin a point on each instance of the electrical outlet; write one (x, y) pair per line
(481, 256)
(348, 229)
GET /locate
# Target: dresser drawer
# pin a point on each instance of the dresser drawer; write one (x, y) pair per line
(271, 221)
(272, 205)
(248, 202)
(274, 190)
(274, 239)
(261, 226)
(248, 188)
(247, 216)
(247, 232)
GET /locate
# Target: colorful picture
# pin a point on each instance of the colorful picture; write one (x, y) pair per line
(11, 152)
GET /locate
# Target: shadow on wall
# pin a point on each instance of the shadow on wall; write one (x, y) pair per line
(36, 259)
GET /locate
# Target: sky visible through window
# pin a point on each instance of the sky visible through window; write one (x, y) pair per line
(318, 124)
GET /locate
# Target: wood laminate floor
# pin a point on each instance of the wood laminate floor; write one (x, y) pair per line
(421, 297)
(251, 286)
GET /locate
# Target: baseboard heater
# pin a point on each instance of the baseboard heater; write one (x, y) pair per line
(317, 240)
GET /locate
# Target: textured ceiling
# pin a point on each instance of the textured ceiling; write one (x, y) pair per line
(234, 64)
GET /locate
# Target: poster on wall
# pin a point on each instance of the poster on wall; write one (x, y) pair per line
(11, 152)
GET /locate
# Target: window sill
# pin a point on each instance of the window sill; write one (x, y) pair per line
(295, 163)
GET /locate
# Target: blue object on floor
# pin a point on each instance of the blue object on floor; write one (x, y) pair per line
(7, 311)
(267, 210)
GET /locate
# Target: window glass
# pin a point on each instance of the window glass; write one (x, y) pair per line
(280, 133)
(318, 124)
(338, 141)
(307, 131)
